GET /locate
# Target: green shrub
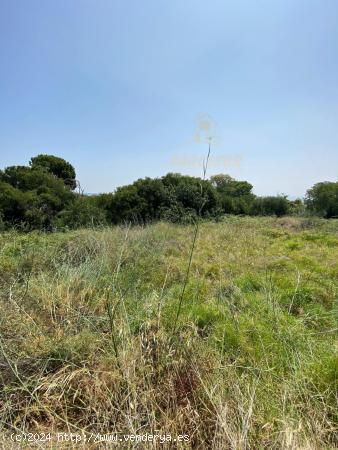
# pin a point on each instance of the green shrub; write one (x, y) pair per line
(80, 213)
(269, 206)
(322, 199)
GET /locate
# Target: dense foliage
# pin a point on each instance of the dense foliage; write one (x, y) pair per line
(41, 196)
(322, 198)
(57, 167)
(31, 197)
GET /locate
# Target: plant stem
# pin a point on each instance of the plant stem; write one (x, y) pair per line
(192, 249)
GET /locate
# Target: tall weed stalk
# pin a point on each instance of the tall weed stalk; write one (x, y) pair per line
(193, 244)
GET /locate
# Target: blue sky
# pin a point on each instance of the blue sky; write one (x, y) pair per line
(117, 87)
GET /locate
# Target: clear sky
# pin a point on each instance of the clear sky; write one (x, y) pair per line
(116, 87)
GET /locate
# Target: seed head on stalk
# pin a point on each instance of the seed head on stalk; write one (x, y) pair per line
(204, 126)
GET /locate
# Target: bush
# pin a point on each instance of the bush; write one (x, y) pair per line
(177, 214)
(191, 193)
(269, 206)
(81, 212)
(322, 199)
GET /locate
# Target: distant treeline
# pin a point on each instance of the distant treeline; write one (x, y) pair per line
(45, 195)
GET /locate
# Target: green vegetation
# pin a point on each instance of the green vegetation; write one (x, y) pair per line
(187, 317)
(42, 196)
(32, 197)
(87, 338)
(56, 166)
(323, 199)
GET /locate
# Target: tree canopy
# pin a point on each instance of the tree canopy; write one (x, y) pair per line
(57, 167)
(41, 196)
(322, 199)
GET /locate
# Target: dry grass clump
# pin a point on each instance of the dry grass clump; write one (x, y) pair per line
(291, 223)
(88, 343)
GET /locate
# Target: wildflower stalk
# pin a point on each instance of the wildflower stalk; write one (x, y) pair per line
(193, 245)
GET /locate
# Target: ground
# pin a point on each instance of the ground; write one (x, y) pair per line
(90, 342)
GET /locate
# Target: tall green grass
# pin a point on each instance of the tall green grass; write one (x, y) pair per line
(87, 318)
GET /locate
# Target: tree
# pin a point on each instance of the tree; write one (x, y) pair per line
(322, 199)
(139, 202)
(127, 205)
(234, 196)
(28, 178)
(13, 204)
(154, 194)
(227, 185)
(16, 176)
(32, 197)
(57, 167)
(270, 206)
(191, 193)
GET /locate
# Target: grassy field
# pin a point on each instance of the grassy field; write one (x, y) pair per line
(88, 342)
